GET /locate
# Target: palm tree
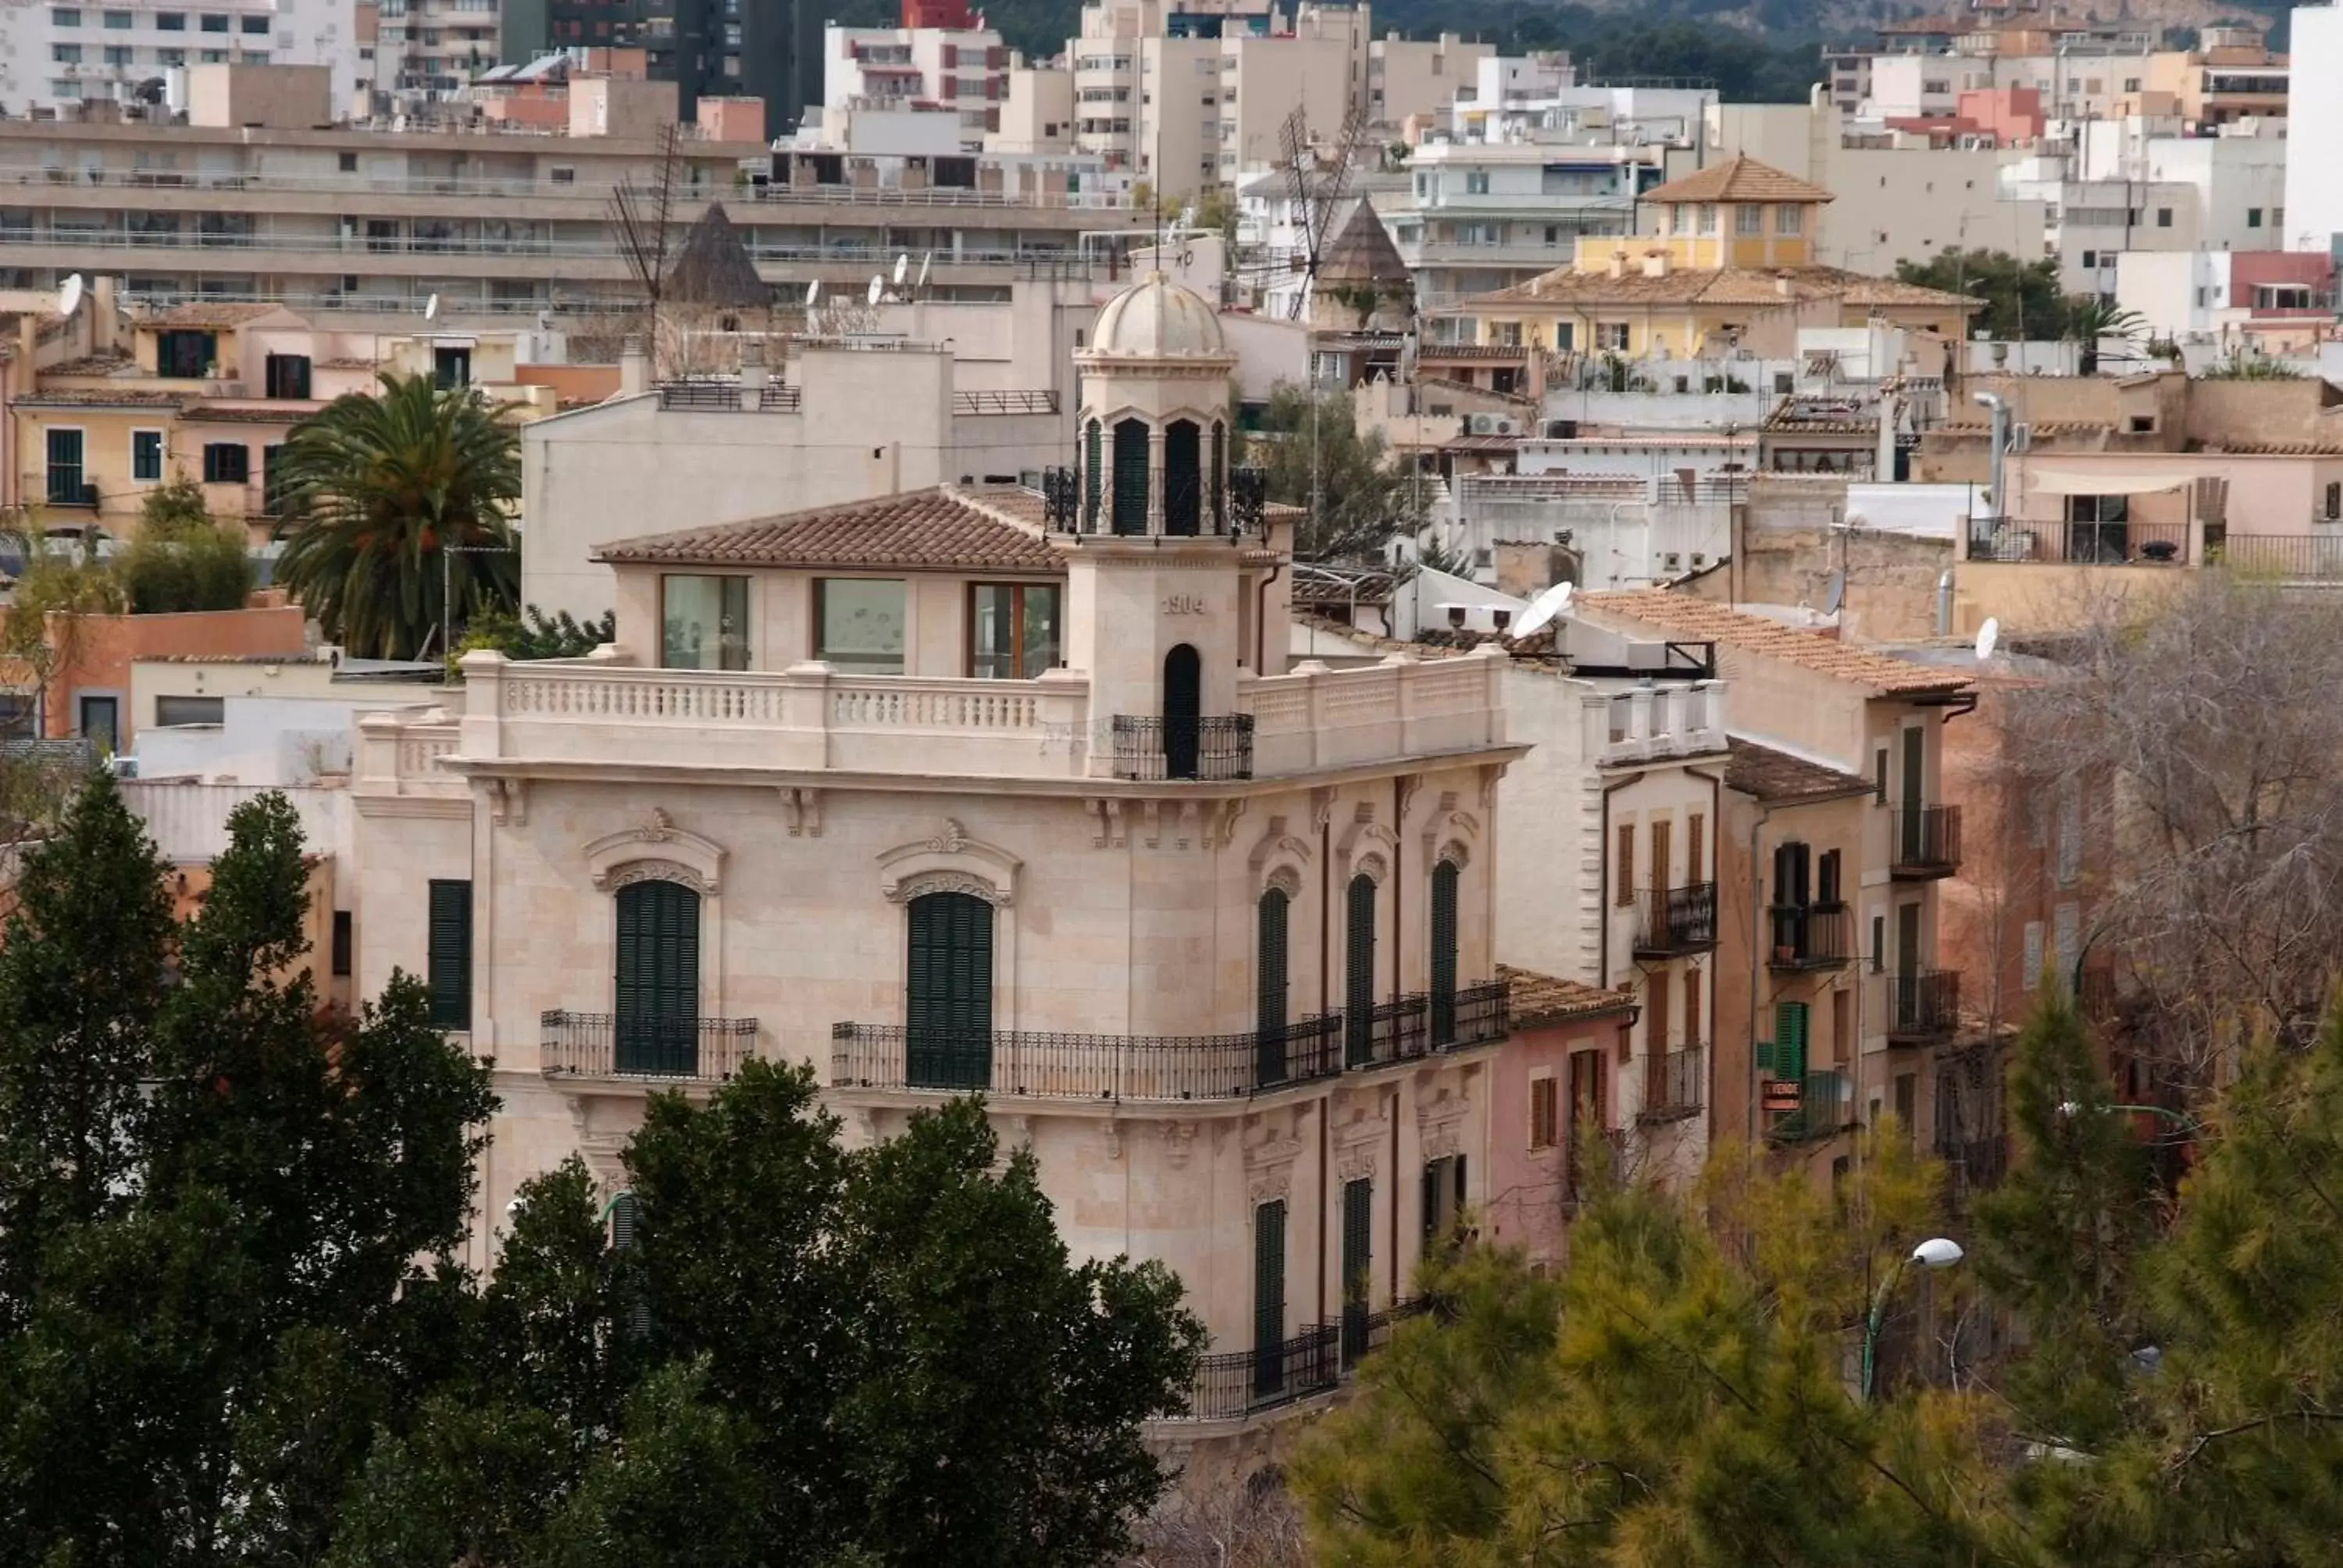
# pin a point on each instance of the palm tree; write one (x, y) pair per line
(373, 488)
(2092, 319)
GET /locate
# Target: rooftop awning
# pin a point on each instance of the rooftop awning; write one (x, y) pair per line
(2048, 480)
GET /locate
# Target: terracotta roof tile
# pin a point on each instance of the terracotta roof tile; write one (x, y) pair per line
(284, 412)
(1537, 999)
(1738, 179)
(1777, 777)
(217, 313)
(1718, 285)
(102, 397)
(101, 364)
(938, 530)
(1687, 616)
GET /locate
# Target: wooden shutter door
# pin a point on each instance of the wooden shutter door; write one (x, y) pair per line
(1270, 976)
(1358, 973)
(1130, 455)
(1093, 457)
(1657, 998)
(1445, 879)
(1358, 1254)
(450, 954)
(947, 994)
(1269, 1297)
(656, 988)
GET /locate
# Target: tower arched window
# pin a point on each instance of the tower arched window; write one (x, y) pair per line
(1217, 481)
(1130, 443)
(1093, 446)
(1183, 479)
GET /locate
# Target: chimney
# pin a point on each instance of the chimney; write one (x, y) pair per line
(634, 369)
(752, 377)
(1619, 263)
(1782, 284)
(1655, 264)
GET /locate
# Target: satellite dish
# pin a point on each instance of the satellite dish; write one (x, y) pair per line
(69, 295)
(432, 308)
(1542, 610)
(1838, 593)
(813, 292)
(925, 262)
(1987, 636)
(902, 266)
(877, 286)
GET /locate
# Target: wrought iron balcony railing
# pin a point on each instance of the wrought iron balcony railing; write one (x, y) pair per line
(617, 1045)
(1231, 1385)
(1676, 1085)
(1825, 1107)
(1365, 1331)
(1395, 1030)
(1098, 1067)
(1213, 750)
(1923, 1006)
(1812, 937)
(1473, 1015)
(1928, 842)
(1673, 921)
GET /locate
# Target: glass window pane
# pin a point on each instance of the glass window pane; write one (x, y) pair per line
(861, 628)
(704, 623)
(1040, 646)
(992, 632)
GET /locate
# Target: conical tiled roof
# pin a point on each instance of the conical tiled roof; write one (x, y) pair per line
(713, 268)
(1362, 251)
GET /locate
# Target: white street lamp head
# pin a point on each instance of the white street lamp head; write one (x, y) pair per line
(1937, 1252)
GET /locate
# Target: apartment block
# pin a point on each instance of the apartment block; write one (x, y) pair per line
(61, 56)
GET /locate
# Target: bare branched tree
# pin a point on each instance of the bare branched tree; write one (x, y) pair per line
(1248, 1524)
(2208, 746)
(642, 216)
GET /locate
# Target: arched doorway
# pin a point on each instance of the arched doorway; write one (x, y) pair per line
(1184, 483)
(656, 1023)
(1183, 680)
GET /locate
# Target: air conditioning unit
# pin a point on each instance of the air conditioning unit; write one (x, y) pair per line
(1491, 425)
(1562, 430)
(2021, 437)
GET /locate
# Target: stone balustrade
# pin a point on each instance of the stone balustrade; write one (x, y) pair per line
(812, 717)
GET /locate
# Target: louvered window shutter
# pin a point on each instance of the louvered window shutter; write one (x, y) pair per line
(1093, 461)
(1271, 986)
(1359, 977)
(1269, 1297)
(450, 954)
(1130, 455)
(1444, 878)
(948, 997)
(1790, 1041)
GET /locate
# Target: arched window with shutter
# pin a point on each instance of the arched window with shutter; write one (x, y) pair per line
(1358, 973)
(1445, 879)
(1183, 480)
(1218, 480)
(1270, 981)
(656, 991)
(1130, 476)
(1093, 461)
(948, 995)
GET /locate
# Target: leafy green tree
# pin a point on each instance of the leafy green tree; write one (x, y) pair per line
(2022, 299)
(1311, 450)
(182, 557)
(532, 634)
(374, 488)
(1678, 1396)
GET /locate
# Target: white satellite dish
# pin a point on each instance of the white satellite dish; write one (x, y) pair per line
(925, 262)
(813, 292)
(1542, 610)
(902, 268)
(877, 286)
(69, 295)
(432, 308)
(1987, 635)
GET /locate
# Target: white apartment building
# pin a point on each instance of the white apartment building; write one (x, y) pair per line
(64, 56)
(2314, 107)
(960, 74)
(974, 790)
(1477, 216)
(2138, 184)
(430, 50)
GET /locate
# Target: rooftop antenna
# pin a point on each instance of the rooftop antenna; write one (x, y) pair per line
(1988, 636)
(69, 295)
(1543, 609)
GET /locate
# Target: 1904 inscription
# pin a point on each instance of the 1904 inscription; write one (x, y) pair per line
(1184, 604)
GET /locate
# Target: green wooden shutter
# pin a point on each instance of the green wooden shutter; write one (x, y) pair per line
(1459, 1208)
(1269, 1297)
(626, 1214)
(1431, 1198)
(1358, 973)
(657, 983)
(1093, 461)
(1790, 1041)
(1445, 879)
(450, 967)
(1217, 481)
(948, 1000)
(1270, 983)
(1130, 455)
(1358, 1256)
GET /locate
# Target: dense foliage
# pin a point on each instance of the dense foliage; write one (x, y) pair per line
(1683, 1394)
(1311, 448)
(234, 1327)
(182, 557)
(533, 634)
(376, 491)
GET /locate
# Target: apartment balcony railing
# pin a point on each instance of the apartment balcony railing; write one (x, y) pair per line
(2316, 558)
(1395, 1030)
(726, 397)
(1825, 1107)
(1923, 1006)
(1103, 1067)
(1471, 1015)
(1673, 921)
(1231, 1385)
(1975, 1164)
(2059, 543)
(1811, 937)
(1215, 751)
(1364, 1331)
(1928, 843)
(610, 1045)
(1676, 1085)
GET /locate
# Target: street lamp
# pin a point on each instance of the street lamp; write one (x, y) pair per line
(1936, 1252)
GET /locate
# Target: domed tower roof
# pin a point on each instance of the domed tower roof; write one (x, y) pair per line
(1156, 318)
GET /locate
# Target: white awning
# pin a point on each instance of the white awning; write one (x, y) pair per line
(2049, 479)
